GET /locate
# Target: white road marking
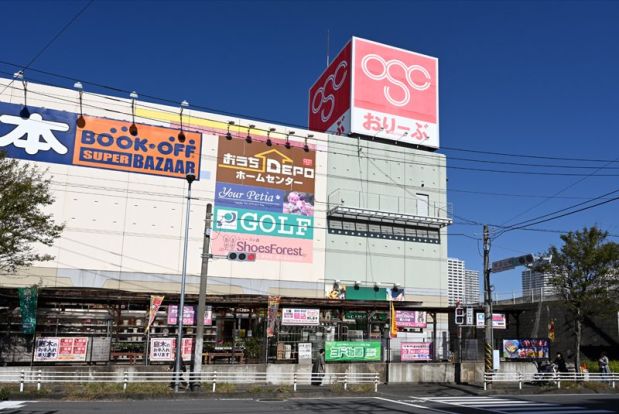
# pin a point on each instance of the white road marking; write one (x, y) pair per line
(8, 405)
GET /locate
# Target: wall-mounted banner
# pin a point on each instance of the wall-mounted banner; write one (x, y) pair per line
(341, 351)
(265, 247)
(46, 136)
(52, 349)
(255, 198)
(410, 319)
(106, 143)
(164, 349)
(304, 317)
(51, 136)
(259, 165)
(415, 351)
(189, 315)
(261, 223)
(28, 306)
(533, 348)
(498, 320)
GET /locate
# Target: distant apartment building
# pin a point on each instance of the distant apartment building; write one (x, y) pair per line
(471, 287)
(455, 281)
(536, 284)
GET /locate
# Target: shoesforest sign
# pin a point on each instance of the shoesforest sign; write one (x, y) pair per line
(264, 200)
(52, 136)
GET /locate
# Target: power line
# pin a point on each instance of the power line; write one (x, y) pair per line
(52, 40)
(202, 130)
(208, 109)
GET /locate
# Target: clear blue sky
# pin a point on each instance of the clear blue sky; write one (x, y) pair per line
(530, 77)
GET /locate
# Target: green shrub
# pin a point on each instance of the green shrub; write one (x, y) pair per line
(4, 393)
(225, 388)
(361, 388)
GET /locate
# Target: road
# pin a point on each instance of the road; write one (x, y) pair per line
(382, 403)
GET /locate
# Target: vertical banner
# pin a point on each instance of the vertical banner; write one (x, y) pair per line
(272, 316)
(28, 306)
(155, 303)
(551, 330)
(393, 327)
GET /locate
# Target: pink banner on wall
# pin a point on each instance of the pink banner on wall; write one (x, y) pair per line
(265, 247)
(415, 351)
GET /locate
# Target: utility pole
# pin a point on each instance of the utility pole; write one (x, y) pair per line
(489, 341)
(197, 357)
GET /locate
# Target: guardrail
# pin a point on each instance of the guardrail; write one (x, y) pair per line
(211, 378)
(549, 378)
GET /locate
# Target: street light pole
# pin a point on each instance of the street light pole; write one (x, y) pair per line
(181, 306)
(489, 340)
(199, 342)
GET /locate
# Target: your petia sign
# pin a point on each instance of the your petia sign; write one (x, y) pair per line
(380, 91)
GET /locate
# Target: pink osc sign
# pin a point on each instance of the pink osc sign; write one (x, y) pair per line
(329, 97)
(380, 91)
(395, 94)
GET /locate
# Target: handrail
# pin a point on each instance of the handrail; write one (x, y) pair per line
(549, 377)
(211, 377)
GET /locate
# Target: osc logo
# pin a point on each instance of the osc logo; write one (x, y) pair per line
(227, 219)
(386, 72)
(323, 103)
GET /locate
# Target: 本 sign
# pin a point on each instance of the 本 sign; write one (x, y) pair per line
(52, 349)
(164, 349)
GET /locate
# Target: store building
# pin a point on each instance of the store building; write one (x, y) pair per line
(348, 216)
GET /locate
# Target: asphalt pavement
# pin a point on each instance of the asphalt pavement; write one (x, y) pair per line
(402, 399)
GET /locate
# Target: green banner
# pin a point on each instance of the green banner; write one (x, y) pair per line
(344, 351)
(28, 305)
(366, 293)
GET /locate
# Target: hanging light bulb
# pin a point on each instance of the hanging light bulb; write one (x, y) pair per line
(248, 138)
(133, 129)
(25, 112)
(269, 142)
(81, 121)
(287, 145)
(228, 134)
(181, 134)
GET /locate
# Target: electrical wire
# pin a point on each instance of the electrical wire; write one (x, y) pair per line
(51, 41)
(384, 150)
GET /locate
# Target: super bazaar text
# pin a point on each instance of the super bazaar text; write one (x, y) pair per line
(119, 140)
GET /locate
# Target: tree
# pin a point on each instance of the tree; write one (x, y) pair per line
(585, 275)
(24, 194)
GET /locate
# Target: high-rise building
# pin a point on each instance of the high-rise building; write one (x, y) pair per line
(471, 287)
(536, 284)
(455, 281)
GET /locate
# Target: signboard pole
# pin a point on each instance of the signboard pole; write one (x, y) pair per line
(488, 345)
(197, 358)
(181, 306)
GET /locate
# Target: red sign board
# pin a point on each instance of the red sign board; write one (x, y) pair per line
(329, 97)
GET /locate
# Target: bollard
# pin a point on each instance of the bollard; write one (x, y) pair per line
(294, 384)
(376, 382)
(21, 381)
(214, 381)
(125, 380)
(485, 383)
(345, 382)
(520, 380)
(39, 381)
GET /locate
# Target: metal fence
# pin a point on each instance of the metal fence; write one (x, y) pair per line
(205, 378)
(552, 378)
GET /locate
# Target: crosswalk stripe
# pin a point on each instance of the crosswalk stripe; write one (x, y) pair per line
(509, 406)
(7, 405)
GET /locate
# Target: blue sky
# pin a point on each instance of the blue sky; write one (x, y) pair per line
(537, 78)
